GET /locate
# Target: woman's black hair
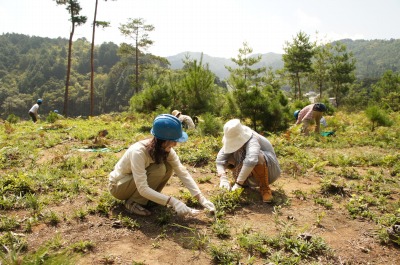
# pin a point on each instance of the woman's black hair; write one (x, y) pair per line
(156, 151)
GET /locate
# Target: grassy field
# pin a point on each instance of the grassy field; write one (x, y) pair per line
(337, 201)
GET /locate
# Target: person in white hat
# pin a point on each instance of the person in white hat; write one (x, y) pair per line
(250, 156)
(185, 119)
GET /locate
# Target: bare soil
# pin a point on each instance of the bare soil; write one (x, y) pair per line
(353, 241)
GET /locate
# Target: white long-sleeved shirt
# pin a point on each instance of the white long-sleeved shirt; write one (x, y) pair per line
(34, 109)
(253, 147)
(187, 121)
(135, 161)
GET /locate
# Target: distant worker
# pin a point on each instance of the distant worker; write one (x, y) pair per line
(308, 115)
(185, 119)
(145, 168)
(322, 121)
(34, 111)
(250, 156)
(58, 113)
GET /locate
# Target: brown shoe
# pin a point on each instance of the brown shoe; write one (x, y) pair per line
(136, 209)
(266, 194)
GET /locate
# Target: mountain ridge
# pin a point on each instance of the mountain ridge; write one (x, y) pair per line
(217, 64)
(373, 58)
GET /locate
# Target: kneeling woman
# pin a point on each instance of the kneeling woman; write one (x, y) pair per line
(250, 156)
(145, 168)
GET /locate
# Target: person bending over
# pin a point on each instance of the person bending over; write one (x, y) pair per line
(145, 168)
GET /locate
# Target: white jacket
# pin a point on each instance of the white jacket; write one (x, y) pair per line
(253, 147)
(135, 161)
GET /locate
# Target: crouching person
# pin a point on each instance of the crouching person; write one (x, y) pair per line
(250, 156)
(145, 168)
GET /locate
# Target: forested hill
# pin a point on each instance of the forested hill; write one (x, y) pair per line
(374, 57)
(33, 67)
(217, 64)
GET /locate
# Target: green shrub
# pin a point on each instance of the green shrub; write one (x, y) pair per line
(12, 245)
(224, 254)
(12, 118)
(227, 201)
(52, 117)
(10, 157)
(210, 125)
(378, 117)
(221, 228)
(82, 246)
(19, 184)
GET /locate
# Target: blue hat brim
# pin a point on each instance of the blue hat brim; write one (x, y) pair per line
(182, 139)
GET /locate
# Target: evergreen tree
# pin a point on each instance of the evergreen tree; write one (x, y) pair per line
(96, 23)
(297, 59)
(245, 81)
(320, 66)
(244, 73)
(387, 91)
(139, 32)
(156, 91)
(198, 92)
(256, 91)
(73, 8)
(341, 71)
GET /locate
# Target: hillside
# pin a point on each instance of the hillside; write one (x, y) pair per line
(374, 57)
(217, 64)
(335, 203)
(35, 67)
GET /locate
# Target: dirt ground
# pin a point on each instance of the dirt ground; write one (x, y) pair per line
(353, 241)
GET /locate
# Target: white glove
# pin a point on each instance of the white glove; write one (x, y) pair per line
(206, 203)
(224, 182)
(181, 208)
(244, 173)
(236, 186)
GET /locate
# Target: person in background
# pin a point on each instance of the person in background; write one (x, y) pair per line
(185, 119)
(322, 121)
(250, 156)
(34, 111)
(308, 115)
(58, 113)
(145, 168)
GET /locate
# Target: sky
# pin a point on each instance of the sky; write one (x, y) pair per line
(215, 27)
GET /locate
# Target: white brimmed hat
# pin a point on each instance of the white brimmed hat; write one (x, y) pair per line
(176, 113)
(235, 136)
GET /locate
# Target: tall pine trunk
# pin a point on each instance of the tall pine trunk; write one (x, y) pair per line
(92, 64)
(65, 111)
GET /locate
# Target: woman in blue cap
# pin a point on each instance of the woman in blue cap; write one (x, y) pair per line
(145, 168)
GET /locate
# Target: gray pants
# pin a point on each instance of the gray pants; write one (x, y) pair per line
(125, 187)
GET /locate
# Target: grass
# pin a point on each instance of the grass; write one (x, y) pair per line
(42, 170)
